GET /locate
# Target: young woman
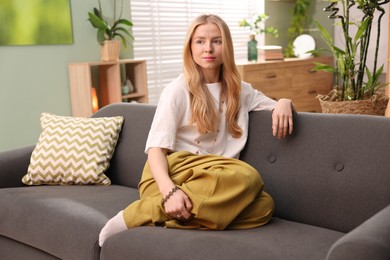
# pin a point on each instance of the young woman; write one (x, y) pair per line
(192, 178)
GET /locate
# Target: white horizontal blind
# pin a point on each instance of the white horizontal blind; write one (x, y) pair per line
(160, 27)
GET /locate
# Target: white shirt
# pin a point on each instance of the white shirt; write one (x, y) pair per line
(171, 128)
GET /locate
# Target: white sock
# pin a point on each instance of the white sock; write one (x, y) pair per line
(113, 226)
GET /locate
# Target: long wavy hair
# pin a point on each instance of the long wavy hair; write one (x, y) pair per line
(204, 112)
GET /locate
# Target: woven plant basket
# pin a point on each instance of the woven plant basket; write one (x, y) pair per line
(110, 50)
(376, 105)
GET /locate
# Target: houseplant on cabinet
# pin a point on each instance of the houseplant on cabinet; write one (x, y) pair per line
(109, 29)
(256, 26)
(356, 83)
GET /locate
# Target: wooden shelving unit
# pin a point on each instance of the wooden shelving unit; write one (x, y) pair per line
(290, 78)
(107, 78)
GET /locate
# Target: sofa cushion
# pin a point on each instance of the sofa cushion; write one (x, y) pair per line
(280, 239)
(64, 221)
(73, 150)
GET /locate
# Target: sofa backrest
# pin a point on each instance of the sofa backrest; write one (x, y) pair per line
(129, 158)
(333, 172)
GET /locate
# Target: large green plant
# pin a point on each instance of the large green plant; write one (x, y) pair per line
(109, 30)
(350, 61)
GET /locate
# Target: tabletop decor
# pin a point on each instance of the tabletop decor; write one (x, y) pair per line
(110, 29)
(256, 26)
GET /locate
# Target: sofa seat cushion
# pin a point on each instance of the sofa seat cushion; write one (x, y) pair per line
(64, 221)
(280, 239)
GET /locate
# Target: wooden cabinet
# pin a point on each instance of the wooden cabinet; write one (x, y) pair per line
(107, 78)
(291, 78)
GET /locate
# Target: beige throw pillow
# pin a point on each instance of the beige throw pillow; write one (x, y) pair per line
(73, 150)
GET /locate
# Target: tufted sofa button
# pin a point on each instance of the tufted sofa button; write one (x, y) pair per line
(339, 167)
(272, 158)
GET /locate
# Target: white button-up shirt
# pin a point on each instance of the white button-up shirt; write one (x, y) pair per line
(171, 127)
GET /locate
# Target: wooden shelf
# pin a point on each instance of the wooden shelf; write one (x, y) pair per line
(107, 78)
(290, 78)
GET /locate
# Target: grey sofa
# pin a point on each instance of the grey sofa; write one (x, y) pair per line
(330, 181)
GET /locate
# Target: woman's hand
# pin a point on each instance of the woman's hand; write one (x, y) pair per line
(282, 118)
(178, 205)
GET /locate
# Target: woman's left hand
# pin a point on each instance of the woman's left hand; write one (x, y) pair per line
(282, 118)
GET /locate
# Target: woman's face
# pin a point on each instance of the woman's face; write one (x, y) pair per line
(206, 48)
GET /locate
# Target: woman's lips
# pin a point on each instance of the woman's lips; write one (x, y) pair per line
(208, 58)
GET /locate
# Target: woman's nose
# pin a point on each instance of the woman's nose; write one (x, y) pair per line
(209, 48)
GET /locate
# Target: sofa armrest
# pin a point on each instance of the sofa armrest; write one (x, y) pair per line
(370, 240)
(13, 166)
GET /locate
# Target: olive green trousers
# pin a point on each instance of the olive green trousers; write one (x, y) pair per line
(225, 193)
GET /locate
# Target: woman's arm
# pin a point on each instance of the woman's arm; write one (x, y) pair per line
(178, 205)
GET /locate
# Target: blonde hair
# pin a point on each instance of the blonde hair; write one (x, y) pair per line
(204, 113)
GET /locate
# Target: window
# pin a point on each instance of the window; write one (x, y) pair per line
(160, 27)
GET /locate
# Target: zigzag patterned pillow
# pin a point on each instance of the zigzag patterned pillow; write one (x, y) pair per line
(73, 150)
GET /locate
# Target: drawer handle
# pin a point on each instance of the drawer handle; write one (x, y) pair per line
(271, 75)
(312, 92)
(312, 71)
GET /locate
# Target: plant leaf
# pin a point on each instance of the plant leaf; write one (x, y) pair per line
(323, 67)
(96, 21)
(124, 21)
(341, 66)
(101, 35)
(325, 34)
(119, 30)
(361, 30)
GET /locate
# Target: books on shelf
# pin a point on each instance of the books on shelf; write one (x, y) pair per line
(270, 52)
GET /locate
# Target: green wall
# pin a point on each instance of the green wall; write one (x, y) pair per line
(34, 79)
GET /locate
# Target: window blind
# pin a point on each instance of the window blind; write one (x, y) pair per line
(160, 27)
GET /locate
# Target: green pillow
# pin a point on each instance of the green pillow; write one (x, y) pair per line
(73, 150)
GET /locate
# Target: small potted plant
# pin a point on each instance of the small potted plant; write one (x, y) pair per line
(109, 30)
(356, 85)
(256, 26)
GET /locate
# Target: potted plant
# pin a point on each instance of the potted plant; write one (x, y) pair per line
(109, 30)
(256, 26)
(356, 85)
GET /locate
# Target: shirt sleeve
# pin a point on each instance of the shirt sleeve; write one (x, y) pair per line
(166, 119)
(255, 99)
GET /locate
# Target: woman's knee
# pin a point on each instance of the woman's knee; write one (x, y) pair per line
(250, 178)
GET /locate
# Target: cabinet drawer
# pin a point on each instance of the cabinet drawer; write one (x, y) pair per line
(305, 74)
(271, 82)
(293, 79)
(265, 77)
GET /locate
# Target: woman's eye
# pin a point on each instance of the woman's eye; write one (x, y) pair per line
(199, 42)
(218, 41)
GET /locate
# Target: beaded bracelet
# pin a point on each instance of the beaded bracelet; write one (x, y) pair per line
(164, 200)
